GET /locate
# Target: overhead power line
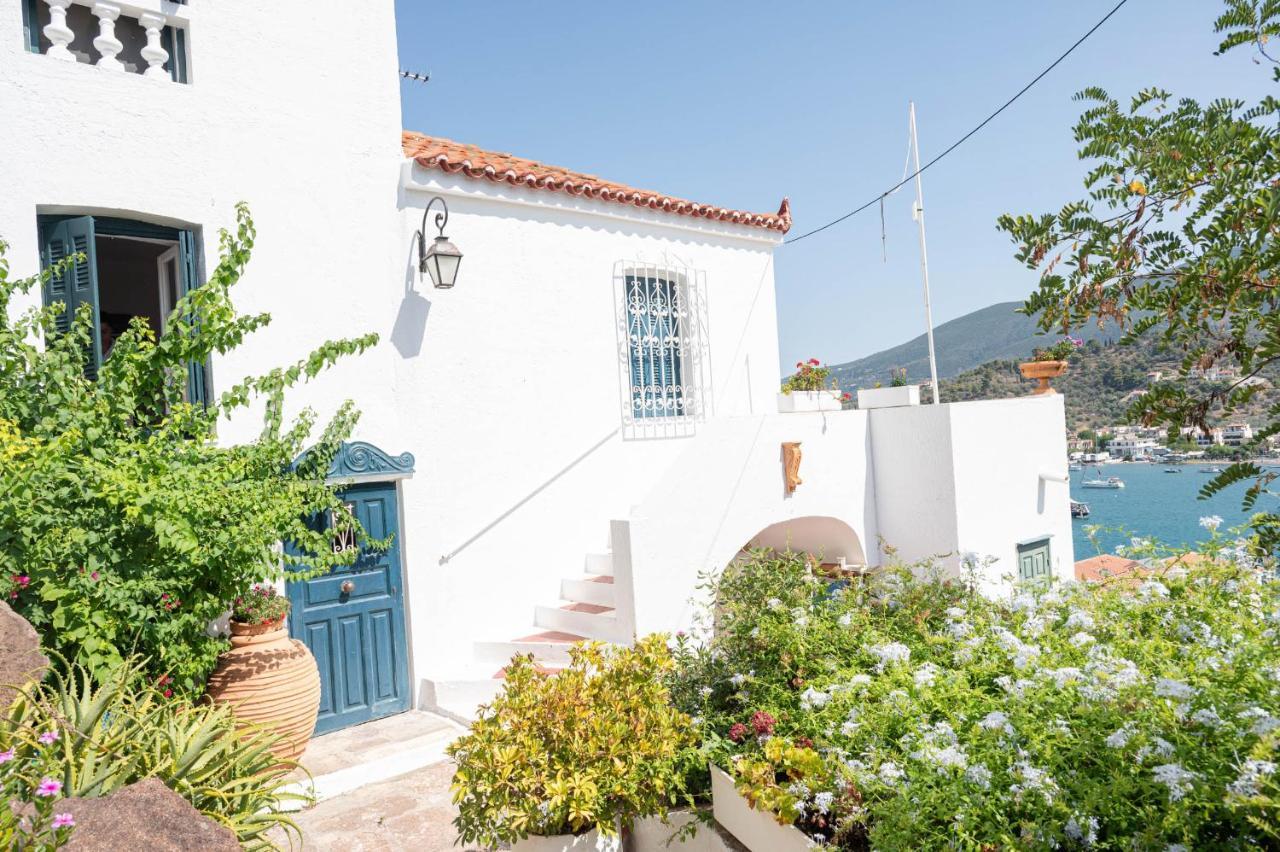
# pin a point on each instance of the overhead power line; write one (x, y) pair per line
(876, 200)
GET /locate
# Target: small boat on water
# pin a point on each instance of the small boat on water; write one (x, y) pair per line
(1075, 467)
(1079, 510)
(1173, 470)
(1211, 470)
(1109, 482)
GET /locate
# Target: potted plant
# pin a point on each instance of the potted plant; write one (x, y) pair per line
(569, 760)
(1049, 363)
(900, 392)
(807, 389)
(267, 678)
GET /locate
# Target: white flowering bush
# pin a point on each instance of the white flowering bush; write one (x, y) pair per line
(909, 713)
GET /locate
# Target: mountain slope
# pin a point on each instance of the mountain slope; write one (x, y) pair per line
(993, 333)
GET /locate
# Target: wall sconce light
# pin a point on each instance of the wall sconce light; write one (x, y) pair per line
(442, 259)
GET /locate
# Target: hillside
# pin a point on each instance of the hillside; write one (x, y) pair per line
(1101, 382)
(993, 333)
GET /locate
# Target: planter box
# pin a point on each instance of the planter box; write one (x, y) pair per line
(650, 834)
(889, 397)
(797, 401)
(756, 830)
(589, 842)
(1042, 372)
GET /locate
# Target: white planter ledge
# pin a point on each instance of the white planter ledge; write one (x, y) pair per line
(889, 397)
(756, 830)
(797, 401)
(588, 842)
(651, 834)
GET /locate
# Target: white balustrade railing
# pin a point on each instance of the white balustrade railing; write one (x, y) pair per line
(106, 41)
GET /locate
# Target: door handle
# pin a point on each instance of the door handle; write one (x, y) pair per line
(347, 587)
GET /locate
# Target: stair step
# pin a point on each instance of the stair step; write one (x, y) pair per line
(602, 578)
(588, 592)
(501, 674)
(599, 563)
(550, 648)
(593, 622)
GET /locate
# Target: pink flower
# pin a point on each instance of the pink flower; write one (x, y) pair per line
(63, 820)
(24, 580)
(48, 787)
(738, 732)
(49, 737)
(6, 756)
(814, 361)
(762, 722)
(94, 576)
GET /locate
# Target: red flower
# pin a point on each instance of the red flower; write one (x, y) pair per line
(814, 361)
(762, 722)
(168, 693)
(738, 732)
(846, 396)
(804, 742)
(24, 580)
(799, 365)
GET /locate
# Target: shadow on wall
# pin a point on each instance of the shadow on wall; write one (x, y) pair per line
(411, 319)
(828, 538)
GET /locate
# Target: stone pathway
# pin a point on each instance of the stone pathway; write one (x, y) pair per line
(409, 812)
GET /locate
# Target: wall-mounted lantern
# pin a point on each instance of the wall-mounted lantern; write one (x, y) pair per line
(442, 259)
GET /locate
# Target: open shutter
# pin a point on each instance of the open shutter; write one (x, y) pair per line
(196, 390)
(78, 283)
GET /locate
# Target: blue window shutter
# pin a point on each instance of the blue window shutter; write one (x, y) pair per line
(78, 283)
(656, 368)
(196, 385)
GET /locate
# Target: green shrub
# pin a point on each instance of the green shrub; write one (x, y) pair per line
(594, 745)
(124, 527)
(1132, 716)
(90, 739)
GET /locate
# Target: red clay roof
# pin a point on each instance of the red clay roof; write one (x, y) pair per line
(1106, 566)
(432, 152)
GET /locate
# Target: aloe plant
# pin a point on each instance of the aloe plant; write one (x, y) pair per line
(121, 730)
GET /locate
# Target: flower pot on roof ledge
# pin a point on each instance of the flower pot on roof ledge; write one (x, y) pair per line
(270, 680)
(819, 400)
(1043, 371)
(756, 830)
(890, 397)
(590, 841)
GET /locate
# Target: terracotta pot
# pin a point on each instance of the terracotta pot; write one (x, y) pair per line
(1043, 371)
(271, 680)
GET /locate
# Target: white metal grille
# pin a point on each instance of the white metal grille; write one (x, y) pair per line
(663, 368)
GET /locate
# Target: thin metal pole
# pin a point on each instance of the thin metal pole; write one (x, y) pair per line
(918, 215)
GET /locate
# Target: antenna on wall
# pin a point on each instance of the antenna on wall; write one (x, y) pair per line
(917, 213)
(414, 76)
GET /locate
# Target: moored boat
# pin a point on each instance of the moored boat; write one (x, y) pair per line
(1109, 482)
(1079, 509)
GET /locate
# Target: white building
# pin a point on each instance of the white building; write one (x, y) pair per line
(563, 440)
(1237, 434)
(1212, 438)
(1131, 446)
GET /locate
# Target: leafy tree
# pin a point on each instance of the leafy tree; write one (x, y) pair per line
(124, 526)
(1177, 239)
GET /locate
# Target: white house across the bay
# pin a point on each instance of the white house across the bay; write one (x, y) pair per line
(562, 440)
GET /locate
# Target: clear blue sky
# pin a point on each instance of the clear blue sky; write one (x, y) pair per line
(742, 103)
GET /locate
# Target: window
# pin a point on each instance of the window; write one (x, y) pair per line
(1033, 560)
(661, 319)
(655, 327)
(131, 269)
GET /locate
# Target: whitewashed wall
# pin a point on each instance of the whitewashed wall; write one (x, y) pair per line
(309, 137)
(966, 478)
(728, 489)
(507, 389)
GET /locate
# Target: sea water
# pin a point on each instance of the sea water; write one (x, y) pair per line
(1155, 504)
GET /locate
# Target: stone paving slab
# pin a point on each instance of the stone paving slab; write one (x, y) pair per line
(409, 812)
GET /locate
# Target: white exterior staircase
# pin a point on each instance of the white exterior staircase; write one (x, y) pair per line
(587, 610)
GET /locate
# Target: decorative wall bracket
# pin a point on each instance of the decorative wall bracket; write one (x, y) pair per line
(791, 465)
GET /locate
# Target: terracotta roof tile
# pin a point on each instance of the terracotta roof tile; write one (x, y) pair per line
(1105, 566)
(432, 152)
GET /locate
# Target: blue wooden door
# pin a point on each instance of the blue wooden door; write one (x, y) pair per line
(352, 619)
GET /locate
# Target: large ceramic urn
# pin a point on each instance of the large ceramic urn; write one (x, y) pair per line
(270, 680)
(1043, 371)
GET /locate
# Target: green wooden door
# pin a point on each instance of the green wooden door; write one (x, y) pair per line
(1033, 560)
(78, 283)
